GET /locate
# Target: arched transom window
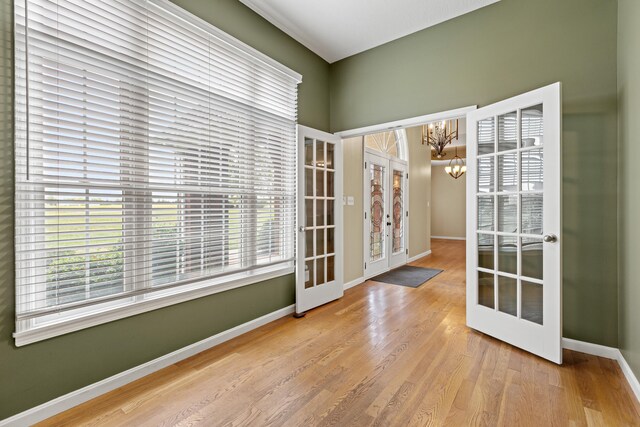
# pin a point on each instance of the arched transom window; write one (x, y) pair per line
(392, 143)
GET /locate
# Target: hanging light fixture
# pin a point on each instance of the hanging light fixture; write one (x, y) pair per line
(456, 167)
(440, 134)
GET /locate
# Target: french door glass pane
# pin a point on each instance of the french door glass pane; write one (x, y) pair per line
(485, 175)
(308, 151)
(320, 272)
(308, 182)
(508, 172)
(330, 213)
(508, 131)
(486, 136)
(532, 170)
(330, 156)
(508, 213)
(376, 214)
(310, 273)
(532, 258)
(486, 289)
(508, 295)
(331, 269)
(485, 213)
(532, 302)
(319, 154)
(309, 243)
(308, 208)
(398, 209)
(320, 242)
(532, 126)
(508, 254)
(330, 185)
(330, 241)
(531, 209)
(319, 212)
(320, 183)
(486, 251)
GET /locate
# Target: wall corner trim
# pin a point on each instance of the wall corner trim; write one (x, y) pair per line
(417, 257)
(355, 282)
(75, 398)
(448, 237)
(608, 353)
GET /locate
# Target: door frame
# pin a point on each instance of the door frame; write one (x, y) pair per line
(505, 327)
(334, 290)
(388, 202)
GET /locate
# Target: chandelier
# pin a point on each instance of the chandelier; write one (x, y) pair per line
(456, 167)
(440, 134)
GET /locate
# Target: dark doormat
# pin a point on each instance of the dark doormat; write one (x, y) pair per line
(407, 275)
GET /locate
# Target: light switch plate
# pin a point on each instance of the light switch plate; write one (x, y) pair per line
(350, 201)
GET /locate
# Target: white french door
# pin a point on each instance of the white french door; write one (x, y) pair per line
(385, 216)
(319, 244)
(514, 264)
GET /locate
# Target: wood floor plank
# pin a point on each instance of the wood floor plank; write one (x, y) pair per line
(383, 355)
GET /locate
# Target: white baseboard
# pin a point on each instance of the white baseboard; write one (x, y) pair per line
(448, 238)
(75, 398)
(609, 353)
(629, 375)
(417, 257)
(355, 282)
(589, 348)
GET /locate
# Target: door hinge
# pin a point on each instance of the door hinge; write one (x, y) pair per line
(407, 251)
(407, 213)
(407, 175)
(365, 165)
(365, 265)
(365, 215)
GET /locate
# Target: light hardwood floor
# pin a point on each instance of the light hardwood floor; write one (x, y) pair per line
(382, 355)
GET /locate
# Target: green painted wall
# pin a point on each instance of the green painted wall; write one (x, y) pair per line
(629, 203)
(496, 52)
(38, 372)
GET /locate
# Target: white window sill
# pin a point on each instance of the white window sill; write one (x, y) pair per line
(155, 302)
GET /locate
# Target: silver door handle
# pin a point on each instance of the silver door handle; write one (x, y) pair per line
(550, 238)
(302, 228)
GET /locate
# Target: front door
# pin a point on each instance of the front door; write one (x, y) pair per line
(514, 257)
(385, 216)
(319, 244)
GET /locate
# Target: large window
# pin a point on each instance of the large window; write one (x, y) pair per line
(155, 162)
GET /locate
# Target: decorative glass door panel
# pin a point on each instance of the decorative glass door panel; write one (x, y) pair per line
(513, 191)
(377, 234)
(385, 223)
(319, 277)
(397, 213)
(398, 209)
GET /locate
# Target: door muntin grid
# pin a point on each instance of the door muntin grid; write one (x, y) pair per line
(320, 212)
(509, 196)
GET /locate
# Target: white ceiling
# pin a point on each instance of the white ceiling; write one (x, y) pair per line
(336, 29)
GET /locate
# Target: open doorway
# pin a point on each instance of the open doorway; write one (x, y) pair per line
(401, 142)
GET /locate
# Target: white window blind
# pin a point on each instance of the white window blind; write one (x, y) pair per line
(155, 155)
